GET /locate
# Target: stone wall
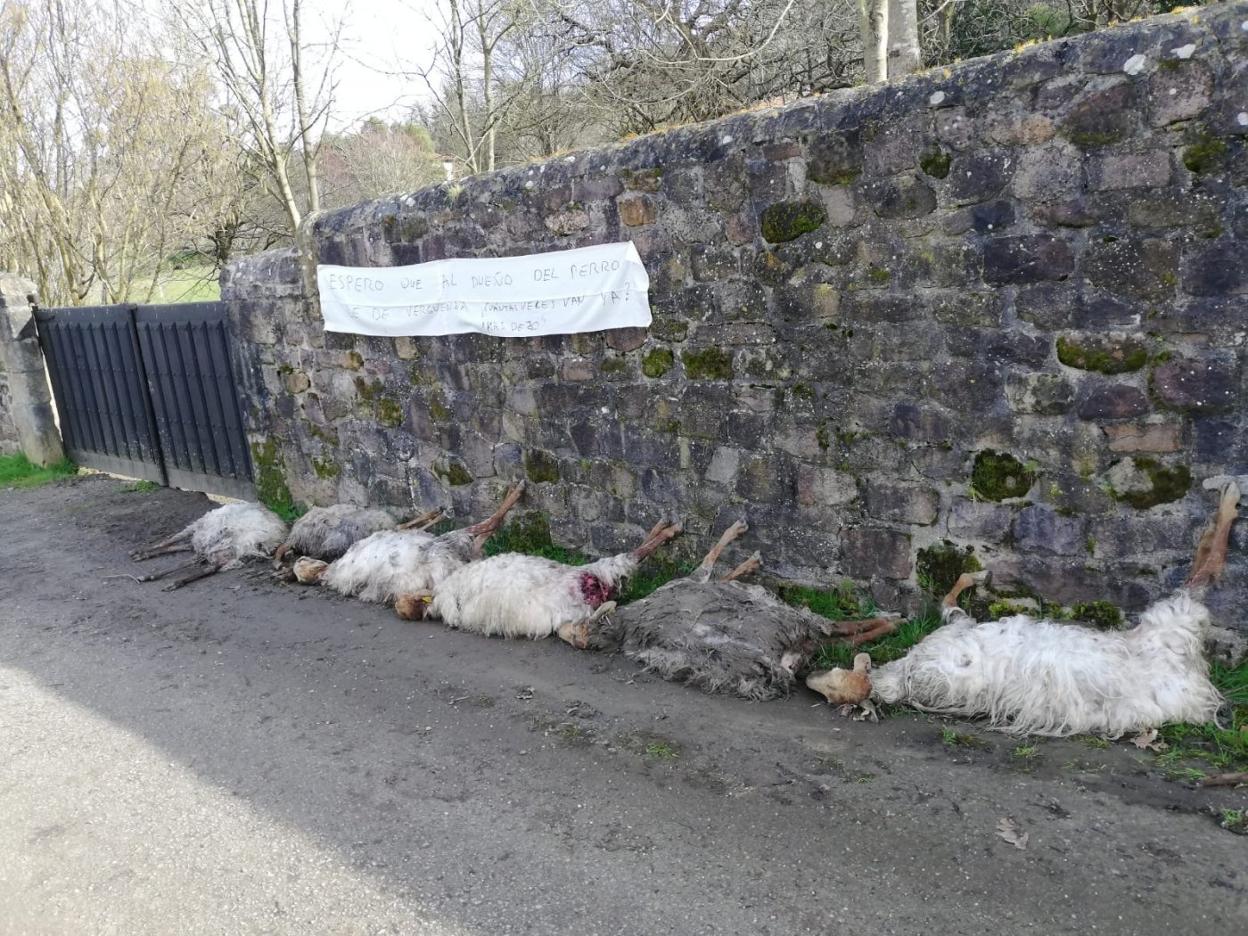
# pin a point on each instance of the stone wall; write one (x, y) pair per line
(8, 431)
(27, 418)
(999, 306)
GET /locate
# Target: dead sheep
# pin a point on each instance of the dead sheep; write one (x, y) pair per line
(726, 636)
(328, 532)
(513, 595)
(390, 563)
(1029, 676)
(224, 538)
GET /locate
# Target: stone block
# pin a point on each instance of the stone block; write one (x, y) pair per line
(902, 503)
(870, 553)
(1196, 385)
(1041, 529)
(1028, 258)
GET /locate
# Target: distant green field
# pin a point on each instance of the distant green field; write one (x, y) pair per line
(192, 284)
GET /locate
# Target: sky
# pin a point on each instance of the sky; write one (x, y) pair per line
(379, 38)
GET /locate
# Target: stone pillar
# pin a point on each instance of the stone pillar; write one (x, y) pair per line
(30, 399)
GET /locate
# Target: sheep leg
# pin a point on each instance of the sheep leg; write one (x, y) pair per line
(703, 572)
(882, 627)
(170, 544)
(750, 566)
(156, 576)
(1211, 553)
(495, 520)
(207, 570)
(965, 580)
(578, 633)
(280, 555)
(654, 542)
(422, 522)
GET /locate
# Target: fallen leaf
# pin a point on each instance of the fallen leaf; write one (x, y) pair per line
(1008, 831)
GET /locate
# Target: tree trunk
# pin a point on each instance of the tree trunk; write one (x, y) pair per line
(873, 22)
(903, 38)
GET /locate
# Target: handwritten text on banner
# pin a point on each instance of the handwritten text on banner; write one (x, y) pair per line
(557, 293)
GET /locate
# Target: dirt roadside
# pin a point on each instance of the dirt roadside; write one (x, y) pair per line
(509, 787)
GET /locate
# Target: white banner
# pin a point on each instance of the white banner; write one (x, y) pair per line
(557, 293)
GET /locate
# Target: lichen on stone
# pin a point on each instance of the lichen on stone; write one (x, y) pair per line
(786, 221)
(998, 476)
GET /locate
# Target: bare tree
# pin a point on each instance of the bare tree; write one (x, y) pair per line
(279, 95)
(104, 147)
(377, 160)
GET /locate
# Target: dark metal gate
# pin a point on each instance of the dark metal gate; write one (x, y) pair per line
(149, 392)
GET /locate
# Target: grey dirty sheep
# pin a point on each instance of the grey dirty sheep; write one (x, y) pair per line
(726, 636)
(328, 532)
(224, 538)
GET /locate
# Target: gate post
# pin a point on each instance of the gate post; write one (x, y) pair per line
(26, 415)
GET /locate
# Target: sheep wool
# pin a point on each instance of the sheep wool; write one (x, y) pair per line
(512, 595)
(230, 535)
(328, 532)
(391, 562)
(1031, 676)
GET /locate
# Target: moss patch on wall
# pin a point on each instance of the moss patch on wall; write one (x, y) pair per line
(1205, 154)
(935, 163)
(1105, 356)
(1100, 614)
(997, 476)
(326, 468)
(708, 364)
(786, 221)
(938, 566)
(1164, 484)
(657, 363)
(453, 473)
(271, 487)
(389, 412)
(540, 466)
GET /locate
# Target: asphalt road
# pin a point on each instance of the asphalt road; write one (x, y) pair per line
(247, 757)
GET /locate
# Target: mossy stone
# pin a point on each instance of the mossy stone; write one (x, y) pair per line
(389, 412)
(1105, 356)
(1144, 482)
(540, 466)
(658, 362)
(1100, 614)
(935, 163)
(786, 221)
(938, 566)
(368, 392)
(997, 476)
(614, 365)
(353, 360)
(326, 468)
(438, 410)
(1205, 154)
(453, 474)
(271, 487)
(708, 364)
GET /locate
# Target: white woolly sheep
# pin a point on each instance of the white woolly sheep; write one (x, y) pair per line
(1029, 676)
(328, 532)
(223, 538)
(513, 595)
(727, 636)
(390, 563)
